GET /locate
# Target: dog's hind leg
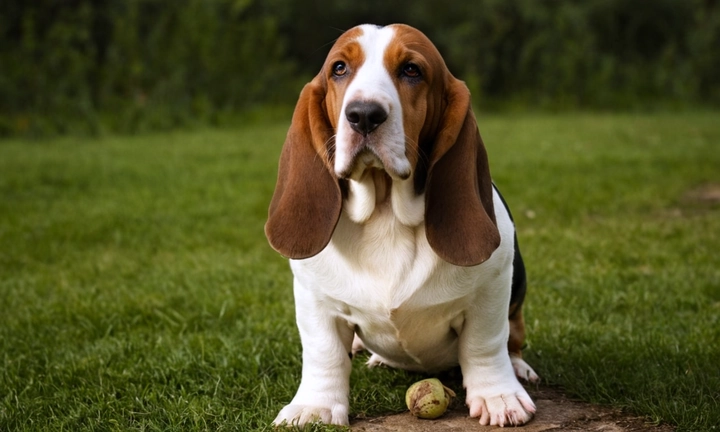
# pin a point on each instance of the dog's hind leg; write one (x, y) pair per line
(517, 323)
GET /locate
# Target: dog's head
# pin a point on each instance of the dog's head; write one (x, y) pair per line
(384, 100)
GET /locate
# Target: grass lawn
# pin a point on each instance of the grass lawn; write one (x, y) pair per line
(137, 291)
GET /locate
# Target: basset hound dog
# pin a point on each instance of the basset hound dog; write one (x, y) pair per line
(398, 241)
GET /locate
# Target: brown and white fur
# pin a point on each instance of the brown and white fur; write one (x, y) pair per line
(399, 242)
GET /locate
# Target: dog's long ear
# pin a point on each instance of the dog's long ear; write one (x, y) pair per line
(307, 201)
(459, 213)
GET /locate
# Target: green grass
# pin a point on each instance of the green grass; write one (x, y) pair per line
(137, 291)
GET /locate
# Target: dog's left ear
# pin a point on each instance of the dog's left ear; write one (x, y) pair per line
(459, 213)
(307, 201)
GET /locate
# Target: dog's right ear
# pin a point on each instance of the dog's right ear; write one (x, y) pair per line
(307, 201)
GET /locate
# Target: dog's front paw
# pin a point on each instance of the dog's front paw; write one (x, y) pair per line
(300, 415)
(511, 409)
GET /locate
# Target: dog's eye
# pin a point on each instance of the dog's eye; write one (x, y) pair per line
(339, 68)
(411, 70)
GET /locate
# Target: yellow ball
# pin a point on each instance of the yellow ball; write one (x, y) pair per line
(428, 399)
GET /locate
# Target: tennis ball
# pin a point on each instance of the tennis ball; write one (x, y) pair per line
(428, 399)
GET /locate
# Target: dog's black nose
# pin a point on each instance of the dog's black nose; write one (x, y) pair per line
(365, 117)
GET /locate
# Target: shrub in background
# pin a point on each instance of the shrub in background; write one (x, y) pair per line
(131, 65)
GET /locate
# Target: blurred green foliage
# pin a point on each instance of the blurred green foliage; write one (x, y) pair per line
(133, 65)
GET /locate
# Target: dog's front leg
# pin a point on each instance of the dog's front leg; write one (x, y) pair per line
(493, 392)
(325, 384)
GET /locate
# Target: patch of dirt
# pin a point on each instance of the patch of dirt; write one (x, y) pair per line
(555, 412)
(708, 194)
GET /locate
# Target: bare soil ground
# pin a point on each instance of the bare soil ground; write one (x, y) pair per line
(708, 193)
(555, 412)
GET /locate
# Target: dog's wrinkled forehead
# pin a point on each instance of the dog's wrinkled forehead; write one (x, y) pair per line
(393, 44)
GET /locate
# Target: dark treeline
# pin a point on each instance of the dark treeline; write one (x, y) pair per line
(127, 65)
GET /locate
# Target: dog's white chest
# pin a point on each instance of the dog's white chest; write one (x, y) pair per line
(411, 337)
(383, 280)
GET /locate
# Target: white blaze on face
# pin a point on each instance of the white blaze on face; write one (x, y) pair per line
(384, 147)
